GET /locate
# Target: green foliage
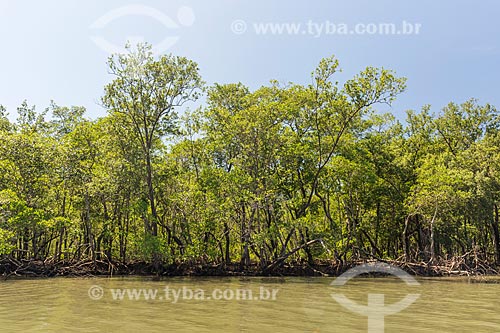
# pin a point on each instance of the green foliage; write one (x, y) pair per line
(250, 175)
(6, 244)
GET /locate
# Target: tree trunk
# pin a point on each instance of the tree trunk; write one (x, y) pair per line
(432, 249)
(228, 244)
(406, 239)
(152, 225)
(496, 234)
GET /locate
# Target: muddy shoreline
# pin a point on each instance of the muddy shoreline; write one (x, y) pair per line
(33, 269)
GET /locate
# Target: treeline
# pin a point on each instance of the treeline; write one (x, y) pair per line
(304, 172)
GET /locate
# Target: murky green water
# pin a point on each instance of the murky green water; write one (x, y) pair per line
(300, 305)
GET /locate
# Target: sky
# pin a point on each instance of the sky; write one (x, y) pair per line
(58, 49)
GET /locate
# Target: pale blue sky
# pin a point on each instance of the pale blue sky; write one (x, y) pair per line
(47, 52)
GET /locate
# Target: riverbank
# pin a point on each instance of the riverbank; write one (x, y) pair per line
(20, 268)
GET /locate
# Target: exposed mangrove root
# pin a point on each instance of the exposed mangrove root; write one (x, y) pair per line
(10, 267)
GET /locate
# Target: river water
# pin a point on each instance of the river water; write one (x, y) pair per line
(246, 305)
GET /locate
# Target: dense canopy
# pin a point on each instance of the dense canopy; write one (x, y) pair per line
(285, 172)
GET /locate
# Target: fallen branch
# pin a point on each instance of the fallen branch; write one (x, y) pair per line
(281, 260)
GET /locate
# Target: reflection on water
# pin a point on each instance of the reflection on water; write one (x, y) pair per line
(301, 305)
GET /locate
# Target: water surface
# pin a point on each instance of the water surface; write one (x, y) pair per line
(300, 305)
